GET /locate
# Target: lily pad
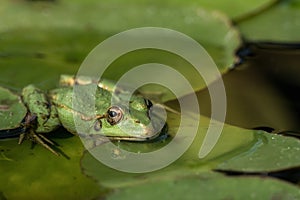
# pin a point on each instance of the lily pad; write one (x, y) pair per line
(55, 46)
(269, 152)
(233, 143)
(37, 173)
(210, 186)
(278, 24)
(12, 110)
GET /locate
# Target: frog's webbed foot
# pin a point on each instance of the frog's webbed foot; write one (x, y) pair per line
(39, 139)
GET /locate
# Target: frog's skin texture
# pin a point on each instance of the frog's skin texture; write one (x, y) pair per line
(48, 111)
(38, 105)
(132, 126)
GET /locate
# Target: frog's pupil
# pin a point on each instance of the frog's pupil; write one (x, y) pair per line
(112, 113)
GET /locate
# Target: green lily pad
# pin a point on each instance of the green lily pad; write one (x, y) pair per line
(55, 46)
(12, 110)
(234, 146)
(210, 186)
(278, 24)
(38, 174)
(270, 153)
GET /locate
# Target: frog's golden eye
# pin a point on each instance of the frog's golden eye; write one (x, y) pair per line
(114, 115)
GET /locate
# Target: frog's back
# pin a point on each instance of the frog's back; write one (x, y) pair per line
(62, 98)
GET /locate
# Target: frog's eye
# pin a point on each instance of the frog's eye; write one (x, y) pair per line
(114, 115)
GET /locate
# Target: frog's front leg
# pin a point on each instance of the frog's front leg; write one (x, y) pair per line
(42, 117)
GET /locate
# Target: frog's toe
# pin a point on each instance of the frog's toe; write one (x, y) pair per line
(45, 142)
(38, 138)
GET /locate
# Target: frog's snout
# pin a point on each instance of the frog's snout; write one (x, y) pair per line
(150, 133)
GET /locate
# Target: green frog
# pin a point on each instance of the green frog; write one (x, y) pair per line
(35, 112)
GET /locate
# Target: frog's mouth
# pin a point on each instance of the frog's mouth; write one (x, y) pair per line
(149, 134)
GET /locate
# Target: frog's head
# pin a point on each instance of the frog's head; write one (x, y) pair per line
(131, 123)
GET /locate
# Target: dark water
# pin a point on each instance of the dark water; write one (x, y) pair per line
(268, 82)
(263, 91)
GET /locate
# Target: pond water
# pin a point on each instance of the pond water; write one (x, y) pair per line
(263, 90)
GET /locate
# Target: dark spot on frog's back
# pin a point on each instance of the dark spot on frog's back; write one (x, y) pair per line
(43, 116)
(46, 105)
(98, 125)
